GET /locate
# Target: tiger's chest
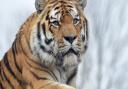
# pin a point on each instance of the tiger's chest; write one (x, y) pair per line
(66, 76)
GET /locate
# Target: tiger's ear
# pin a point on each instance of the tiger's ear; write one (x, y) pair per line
(83, 3)
(40, 4)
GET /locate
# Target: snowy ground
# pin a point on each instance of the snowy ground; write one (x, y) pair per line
(106, 61)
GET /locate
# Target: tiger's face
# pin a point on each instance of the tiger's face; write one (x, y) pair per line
(61, 36)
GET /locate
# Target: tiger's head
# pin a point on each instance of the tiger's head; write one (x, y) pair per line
(61, 34)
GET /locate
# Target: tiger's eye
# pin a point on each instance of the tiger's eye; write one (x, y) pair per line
(76, 21)
(55, 23)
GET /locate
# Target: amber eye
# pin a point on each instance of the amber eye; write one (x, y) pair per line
(76, 21)
(56, 23)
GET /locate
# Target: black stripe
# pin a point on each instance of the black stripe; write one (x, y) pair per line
(10, 69)
(71, 10)
(71, 77)
(48, 41)
(2, 77)
(86, 22)
(56, 8)
(14, 45)
(57, 12)
(52, 17)
(83, 37)
(37, 77)
(54, 75)
(27, 43)
(9, 82)
(44, 29)
(14, 56)
(44, 50)
(44, 69)
(47, 17)
(50, 29)
(1, 86)
(39, 11)
(0, 69)
(86, 46)
(38, 31)
(63, 2)
(24, 51)
(69, 6)
(30, 58)
(16, 50)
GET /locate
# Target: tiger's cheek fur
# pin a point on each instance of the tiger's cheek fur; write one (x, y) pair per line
(40, 48)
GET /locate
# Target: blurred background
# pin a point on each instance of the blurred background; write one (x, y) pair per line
(105, 64)
(13, 14)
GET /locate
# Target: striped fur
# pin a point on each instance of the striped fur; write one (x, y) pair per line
(47, 49)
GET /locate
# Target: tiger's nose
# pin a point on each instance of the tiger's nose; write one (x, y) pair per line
(70, 39)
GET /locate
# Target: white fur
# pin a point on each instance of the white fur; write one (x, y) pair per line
(57, 16)
(70, 60)
(74, 13)
(37, 51)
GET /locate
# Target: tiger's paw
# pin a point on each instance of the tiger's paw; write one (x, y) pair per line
(67, 87)
(63, 86)
(50, 85)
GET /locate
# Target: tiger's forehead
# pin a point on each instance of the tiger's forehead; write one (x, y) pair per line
(58, 11)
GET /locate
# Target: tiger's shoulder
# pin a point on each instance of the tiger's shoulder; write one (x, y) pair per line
(28, 25)
(30, 21)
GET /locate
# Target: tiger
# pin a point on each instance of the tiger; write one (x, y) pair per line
(48, 47)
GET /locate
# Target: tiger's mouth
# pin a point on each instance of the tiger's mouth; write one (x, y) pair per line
(68, 57)
(71, 51)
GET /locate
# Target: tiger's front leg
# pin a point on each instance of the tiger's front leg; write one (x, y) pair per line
(41, 81)
(47, 84)
(73, 82)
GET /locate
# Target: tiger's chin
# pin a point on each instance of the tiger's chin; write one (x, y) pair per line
(69, 58)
